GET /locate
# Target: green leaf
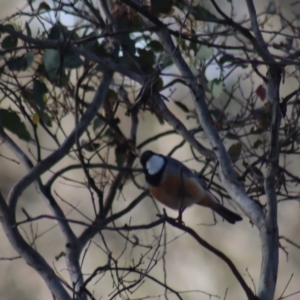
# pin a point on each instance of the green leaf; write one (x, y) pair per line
(205, 52)
(166, 60)
(216, 88)
(257, 143)
(147, 58)
(17, 63)
(156, 46)
(9, 42)
(44, 6)
(39, 89)
(108, 133)
(271, 9)
(232, 136)
(46, 119)
(160, 6)
(194, 70)
(98, 49)
(218, 114)
(51, 62)
(92, 42)
(72, 61)
(258, 130)
(87, 88)
(98, 123)
(90, 147)
(120, 152)
(204, 12)
(28, 30)
(1, 70)
(111, 94)
(182, 106)
(158, 85)
(235, 151)
(194, 46)
(54, 33)
(174, 81)
(127, 42)
(29, 59)
(226, 58)
(12, 122)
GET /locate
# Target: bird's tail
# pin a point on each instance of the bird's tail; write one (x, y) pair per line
(227, 214)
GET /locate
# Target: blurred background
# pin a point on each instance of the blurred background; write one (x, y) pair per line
(190, 268)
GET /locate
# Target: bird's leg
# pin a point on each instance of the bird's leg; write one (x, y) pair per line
(182, 195)
(213, 174)
(163, 215)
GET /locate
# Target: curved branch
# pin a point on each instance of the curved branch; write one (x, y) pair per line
(262, 46)
(66, 229)
(31, 256)
(89, 166)
(55, 44)
(269, 236)
(131, 270)
(234, 189)
(180, 128)
(217, 252)
(203, 243)
(258, 43)
(57, 155)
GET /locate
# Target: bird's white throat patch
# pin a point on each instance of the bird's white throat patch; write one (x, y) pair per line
(154, 164)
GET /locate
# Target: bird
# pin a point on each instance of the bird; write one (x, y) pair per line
(177, 187)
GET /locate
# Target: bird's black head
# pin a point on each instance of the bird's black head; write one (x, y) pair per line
(154, 165)
(145, 157)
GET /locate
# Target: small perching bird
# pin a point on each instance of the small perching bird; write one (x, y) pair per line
(177, 187)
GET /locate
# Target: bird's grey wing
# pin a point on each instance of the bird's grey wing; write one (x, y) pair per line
(177, 165)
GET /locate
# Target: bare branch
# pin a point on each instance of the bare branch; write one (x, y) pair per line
(57, 155)
(32, 257)
(260, 40)
(180, 128)
(269, 234)
(55, 44)
(227, 174)
(217, 252)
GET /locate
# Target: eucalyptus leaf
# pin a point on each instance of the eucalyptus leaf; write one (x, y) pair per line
(72, 61)
(160, 6)
(235, 151)
(29, 59)
(51, 62)
(44, 6)
(205, 52)
(17, 63)
(12, 122)
(9, 42)
(216, 88)
(28, 30)
(182, 106)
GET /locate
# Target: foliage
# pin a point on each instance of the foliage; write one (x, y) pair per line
(108, 69)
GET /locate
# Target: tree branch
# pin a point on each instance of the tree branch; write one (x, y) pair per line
(269, 233)
(57, 155)
(234, 189)
(263, 48)
(180, 128)
(56, 44)
(32, 257)
(46, 192)
(203, 243)
(217, 252)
